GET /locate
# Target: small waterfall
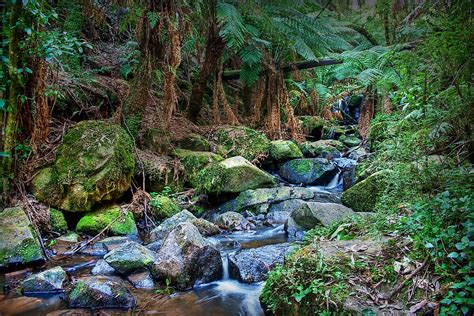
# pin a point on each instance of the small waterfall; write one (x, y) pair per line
(334, 181)
(225, 266)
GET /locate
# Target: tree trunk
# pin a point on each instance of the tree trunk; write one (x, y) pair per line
(214, 50)
(10, 116)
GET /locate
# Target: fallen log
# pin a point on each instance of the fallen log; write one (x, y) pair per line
(306, 64)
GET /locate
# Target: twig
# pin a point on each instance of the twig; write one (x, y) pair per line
(402, 285)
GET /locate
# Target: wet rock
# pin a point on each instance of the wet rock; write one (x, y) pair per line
(251, 200)
(103, 268)
(308, 171)
(358, 154)
(94, 164)
(155, 246)
(242, 141)
(141, 280)
(130, 257)
(282, 150)
(168, 224)
(277, 217)
(49, 281)
(309, 214)
(232, 175)
(93, 223)
(364, 195)
(205, 227)
(187, 258)
(100, 292)
(19, 243)
(348, 171)
(232, 221)
(319, 149)
(252, 265)
(110, 243)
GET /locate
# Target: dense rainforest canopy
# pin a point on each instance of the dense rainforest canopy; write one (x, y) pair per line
(221, 157)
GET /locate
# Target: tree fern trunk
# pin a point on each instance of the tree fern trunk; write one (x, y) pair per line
(10, 118)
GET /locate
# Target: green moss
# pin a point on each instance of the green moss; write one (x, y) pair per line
(243, 141)
(364, 195)
(94, 163)
(281, 150)
(163, 207)
(350, 141)
(194, 161)
(194, 142)
(211, 179)
(93, 223)
(301, 166)
(57, 221)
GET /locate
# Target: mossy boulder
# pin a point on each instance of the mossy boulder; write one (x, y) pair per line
(308, 171)
(194, 161)
(19, 244)
(95, 163)
(232, 175)
(98, 292)
(194, 142)
(49, 281)
(242, 141)
(364, 195)
(163, 207)
(315, 150)
(282, 150)
(160, 171)
(350, 141)
(122, 223)
(57, 221)
(130, 257)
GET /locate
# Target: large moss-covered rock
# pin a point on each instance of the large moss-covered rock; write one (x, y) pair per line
(57, 221)
(160, 171)
(194, 161)
(322, 148)
(364, 195)
(130, 257)
(100, 292)
(242, 141)
(94, 164)
(18, 243)
(308, 171)
(282, 150)
(232, 175)
(350, 141)
(94, 222)
(186, 258)
(49, 281)
(163, 207)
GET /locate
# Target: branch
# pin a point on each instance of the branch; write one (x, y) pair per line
(306, 64)
(362, 31)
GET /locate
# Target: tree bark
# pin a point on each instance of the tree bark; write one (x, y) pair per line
(214, 50)
(10, 117)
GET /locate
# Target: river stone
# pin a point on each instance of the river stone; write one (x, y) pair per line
(71, 237)
(110, 243)
(205, 227)
(232, 221)
(348, 171)
(49, 281)
(130, 257)
(316, 149)
(252, 265)
(308, 171)
(100, 292)
(141, 280)
(242, 141)
(186, 258)
(364, 195)
(232, 175)
(19, 243)
(309, 214)
(103, 268)
(282, 150)
(277, 217)
(358, 154)
(95, 163)
(169, 224)
(93, 223)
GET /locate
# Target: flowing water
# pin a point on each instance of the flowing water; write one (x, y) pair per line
(224, 297)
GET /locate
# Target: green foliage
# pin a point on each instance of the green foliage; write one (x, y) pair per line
(162, 205)
(305, 284)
